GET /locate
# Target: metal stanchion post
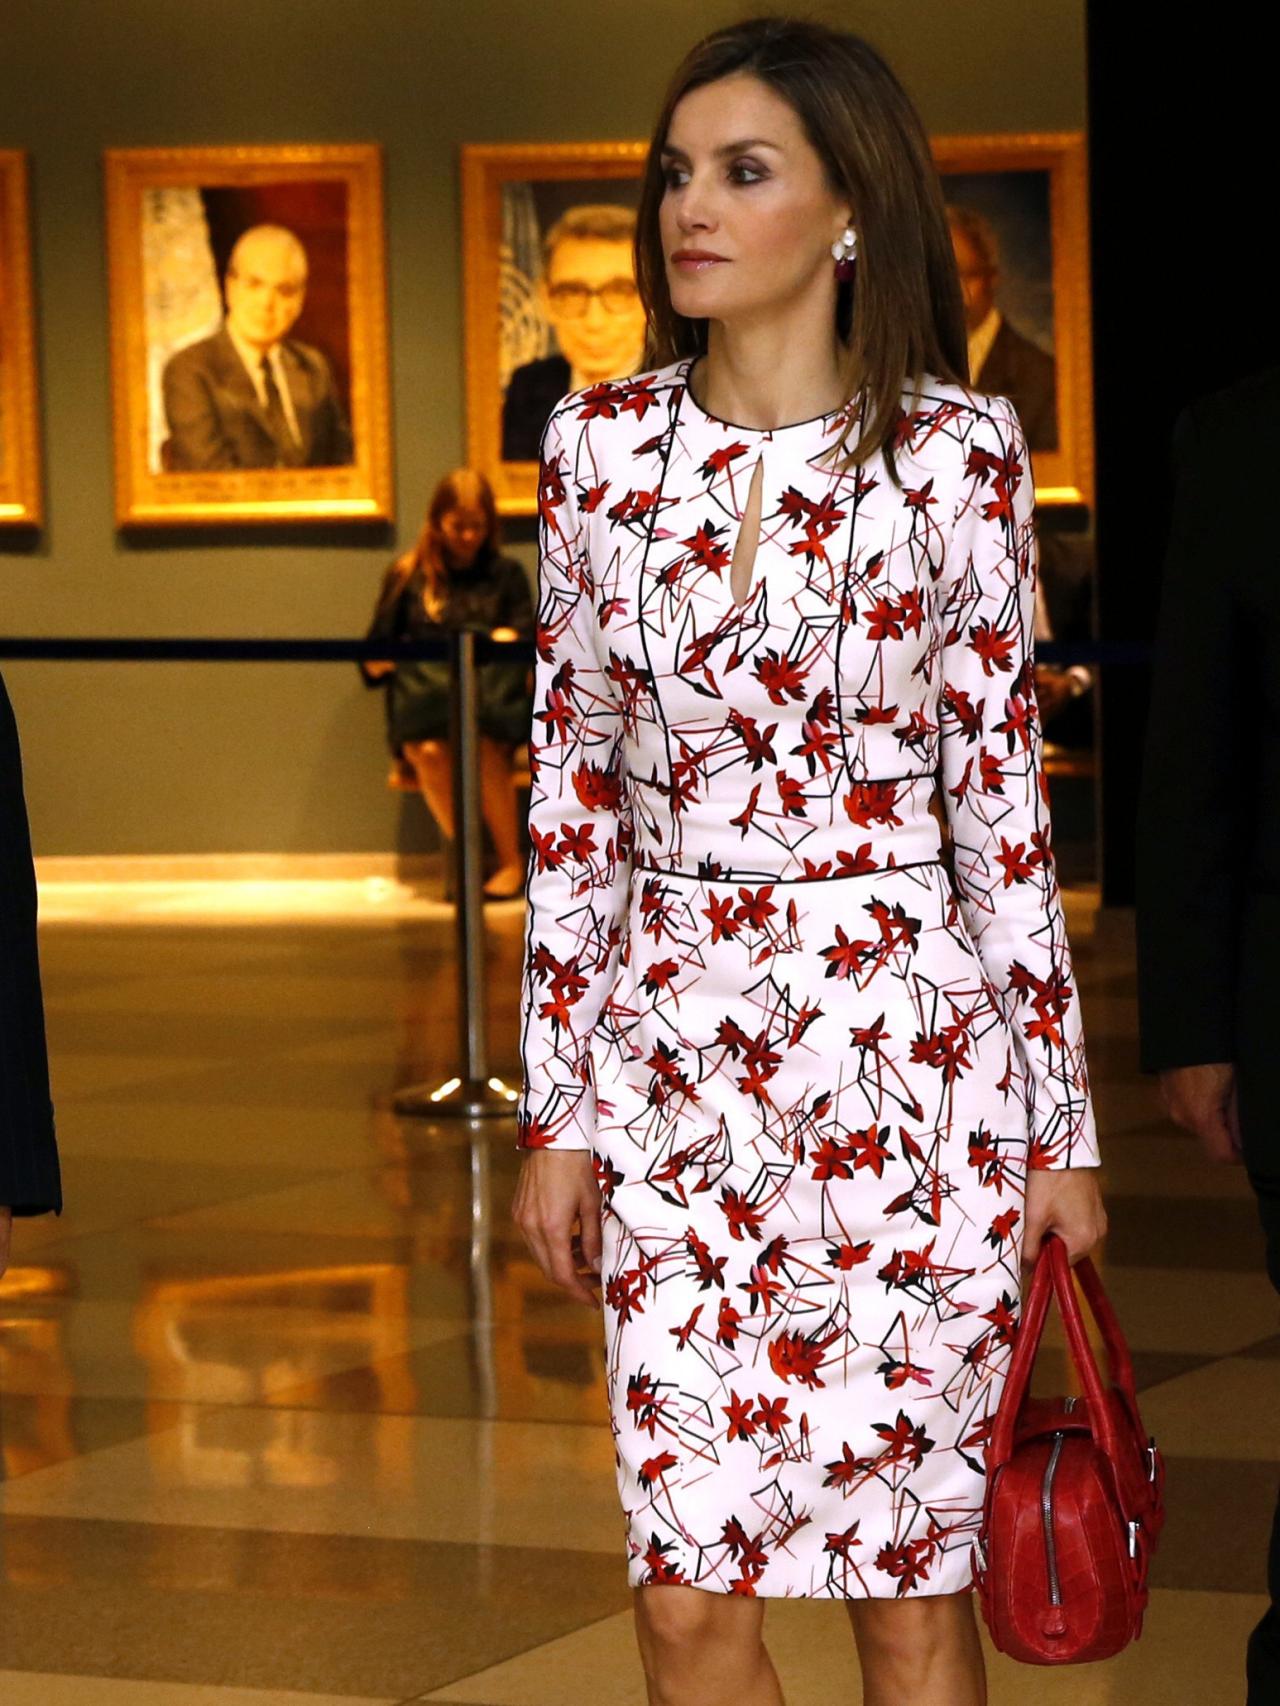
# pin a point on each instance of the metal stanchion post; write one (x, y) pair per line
(473, 1092)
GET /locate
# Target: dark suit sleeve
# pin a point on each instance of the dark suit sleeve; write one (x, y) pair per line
(1042, 416)
(196, 439)
(385, 622)
(334, 445)
(515, 606)
(342, 452)
(1192, 827)
(521, 427)
(30, 1180)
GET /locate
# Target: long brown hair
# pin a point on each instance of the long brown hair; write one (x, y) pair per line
(902, 314)
(461, 486)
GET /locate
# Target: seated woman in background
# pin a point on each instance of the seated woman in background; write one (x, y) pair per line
(455, 576)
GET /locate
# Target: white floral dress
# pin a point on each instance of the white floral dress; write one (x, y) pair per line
(812, 1067)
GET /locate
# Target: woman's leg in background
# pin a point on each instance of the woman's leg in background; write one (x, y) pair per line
(701, 1648)
(498, 802)
(431, 760)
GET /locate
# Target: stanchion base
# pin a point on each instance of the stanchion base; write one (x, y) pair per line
(457, 1098)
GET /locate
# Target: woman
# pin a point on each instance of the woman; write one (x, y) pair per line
(812, 1096)
(456, 576)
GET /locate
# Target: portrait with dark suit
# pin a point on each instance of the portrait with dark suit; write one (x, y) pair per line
(1018, 210)
(570, 309)
(1003, 237)
(583, 301)
(248, 395)
(1005, 356)
(249, 334)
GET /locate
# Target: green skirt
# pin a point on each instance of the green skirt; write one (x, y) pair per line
(418, 702)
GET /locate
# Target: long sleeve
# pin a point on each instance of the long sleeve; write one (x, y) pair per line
(579, 826)
(1194, 824)
(515, 606)
(384, 623)
(995, 789)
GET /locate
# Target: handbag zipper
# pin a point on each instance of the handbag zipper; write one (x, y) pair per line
(1046, 1511)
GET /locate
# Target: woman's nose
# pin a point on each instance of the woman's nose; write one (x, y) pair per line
(692, 210)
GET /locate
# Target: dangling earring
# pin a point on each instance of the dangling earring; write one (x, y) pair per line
(844, 251)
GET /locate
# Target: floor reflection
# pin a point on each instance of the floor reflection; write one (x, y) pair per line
(287, 1406)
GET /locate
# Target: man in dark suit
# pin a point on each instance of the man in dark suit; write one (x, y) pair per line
(1002, 360)
(249, 396)
(30, 1180)
(1208, 846)
(587, 295)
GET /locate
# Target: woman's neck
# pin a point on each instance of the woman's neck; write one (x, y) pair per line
(769, 377)
(456, 568)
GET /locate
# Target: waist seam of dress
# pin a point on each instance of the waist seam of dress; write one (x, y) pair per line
(733, 876)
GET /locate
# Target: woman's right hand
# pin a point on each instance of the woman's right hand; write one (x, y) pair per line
(555, 1188)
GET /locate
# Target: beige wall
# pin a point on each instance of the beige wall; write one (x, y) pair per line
(169, 758)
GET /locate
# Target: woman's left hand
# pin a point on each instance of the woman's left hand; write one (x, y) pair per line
(1065, 1200)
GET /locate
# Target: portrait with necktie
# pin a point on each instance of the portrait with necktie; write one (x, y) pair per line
(249, 395)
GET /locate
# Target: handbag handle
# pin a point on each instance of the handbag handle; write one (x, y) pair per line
(1053, 1272)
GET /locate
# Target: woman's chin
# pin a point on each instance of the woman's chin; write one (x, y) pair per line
(699, 304)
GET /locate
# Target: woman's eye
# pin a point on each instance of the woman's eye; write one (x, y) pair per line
(754, 173)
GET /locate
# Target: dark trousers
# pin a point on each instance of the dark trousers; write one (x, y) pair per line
(1262, 1659)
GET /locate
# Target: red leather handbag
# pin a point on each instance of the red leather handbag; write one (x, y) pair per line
(1074, 1499)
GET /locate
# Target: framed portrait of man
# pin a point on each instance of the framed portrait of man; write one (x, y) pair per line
(21, 503)
(248, 334)
(1018, 211)
(551, 299)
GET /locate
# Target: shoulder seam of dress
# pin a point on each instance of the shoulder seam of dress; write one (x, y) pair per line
(665, 377)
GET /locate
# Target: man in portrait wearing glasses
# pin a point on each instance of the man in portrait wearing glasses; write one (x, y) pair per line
(588, 295)
(249, 396)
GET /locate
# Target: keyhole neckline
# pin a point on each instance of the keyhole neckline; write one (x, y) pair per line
(837, 415)
(753, 573)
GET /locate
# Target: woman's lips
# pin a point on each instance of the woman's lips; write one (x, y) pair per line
(698, 263)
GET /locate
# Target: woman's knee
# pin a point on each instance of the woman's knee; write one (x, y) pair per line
(678, 1623)
(425, 750)
(909, 1626)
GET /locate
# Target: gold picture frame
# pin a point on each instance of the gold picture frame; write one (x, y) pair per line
(21, 484)
(1036, 200)
(204, 432)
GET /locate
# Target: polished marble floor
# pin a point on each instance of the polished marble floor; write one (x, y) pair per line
(288, 1413)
